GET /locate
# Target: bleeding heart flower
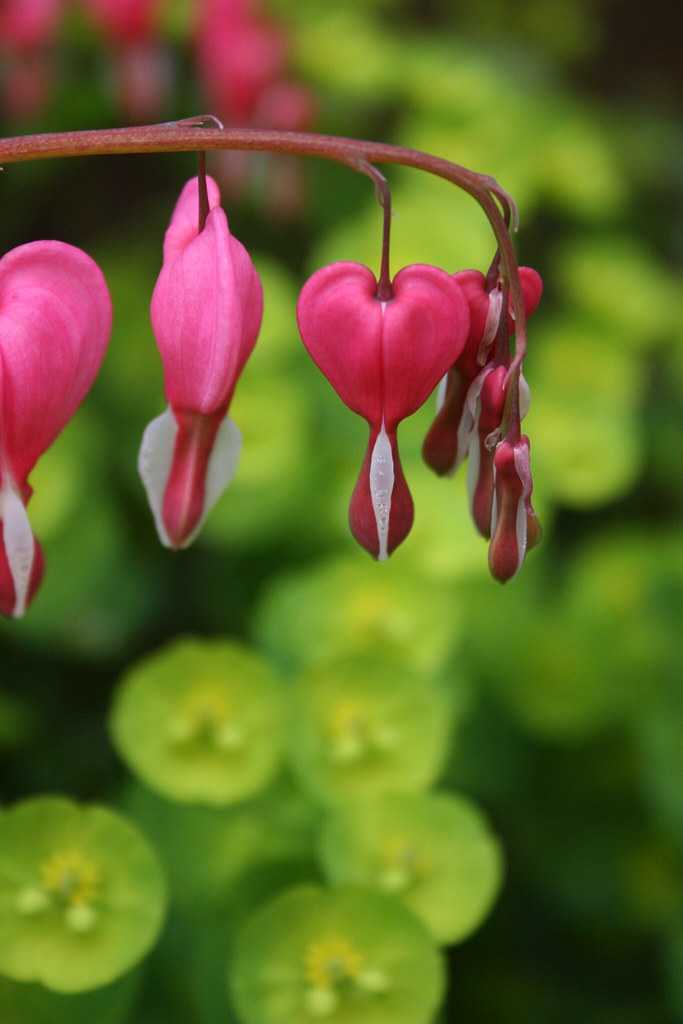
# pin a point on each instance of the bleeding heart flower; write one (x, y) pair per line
(514, 526)
(55, 320)
(447, 441)
(383, 358)
(206, 314)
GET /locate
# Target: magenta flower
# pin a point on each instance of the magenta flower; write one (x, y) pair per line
(514, 526)
(383, 358)
(206, 314)
(55, 320)
(448, 439)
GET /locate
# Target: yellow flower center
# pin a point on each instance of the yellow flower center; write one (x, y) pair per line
(402, 863)
(72, 878)
(354, 733)
(205, 714)
(331, 961)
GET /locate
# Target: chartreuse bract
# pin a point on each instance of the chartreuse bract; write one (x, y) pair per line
(348, 955)
(435, 852)
(200, 721)
(82, 894)
(367, 724)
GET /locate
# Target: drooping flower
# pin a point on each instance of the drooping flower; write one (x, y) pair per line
(448, 439)
(55, 320)
(206, 314)
(514, 526)
(383, 358)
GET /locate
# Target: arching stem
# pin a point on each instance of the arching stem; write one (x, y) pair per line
(191, 135)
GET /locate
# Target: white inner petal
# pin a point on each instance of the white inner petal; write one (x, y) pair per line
(156, 456)
(472, 469)
(19, 545)
(154, 465)
(441, 393)
(221, 469)
(521, 530)
(491, 326)
(381, 487)
(524, 396)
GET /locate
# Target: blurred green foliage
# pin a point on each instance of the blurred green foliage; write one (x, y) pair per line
(565, 686)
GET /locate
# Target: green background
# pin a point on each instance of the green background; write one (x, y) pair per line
(570, 735)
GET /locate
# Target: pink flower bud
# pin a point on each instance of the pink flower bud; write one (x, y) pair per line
(447, 440)
(383, 358)
(206, 314)
(487, 404)
(55, 320)
(514, 526)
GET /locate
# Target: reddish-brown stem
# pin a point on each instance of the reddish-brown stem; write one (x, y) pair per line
(191, 136)
(202, 193)
(382, 191)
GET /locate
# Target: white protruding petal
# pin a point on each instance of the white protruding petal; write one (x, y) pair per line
(381, 487)
(156, 456)
(521, 530)
(472, 469)
(19, 545)
(221, 469)
(524, 396)
(154, 465)
(494, 505)
(465, 435)
(441, 392)
(491, 326)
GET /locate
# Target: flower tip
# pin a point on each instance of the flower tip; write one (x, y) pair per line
(381, 509)
(17, 589)
(186, 461)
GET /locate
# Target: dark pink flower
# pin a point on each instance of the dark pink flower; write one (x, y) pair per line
(447, 441)
(206, 314)
(514, 526)
(55, 320)
(383, 358)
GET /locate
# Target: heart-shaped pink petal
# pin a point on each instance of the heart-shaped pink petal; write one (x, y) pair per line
(55, 320)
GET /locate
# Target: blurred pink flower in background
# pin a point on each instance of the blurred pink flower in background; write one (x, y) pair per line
(27, 32)
(141, 63)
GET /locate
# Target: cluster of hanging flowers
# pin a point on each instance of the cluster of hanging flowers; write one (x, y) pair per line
(384, 345)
